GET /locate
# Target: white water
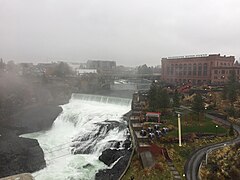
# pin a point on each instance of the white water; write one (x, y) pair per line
(76, 129)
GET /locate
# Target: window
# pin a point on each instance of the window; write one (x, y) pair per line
(215, 71)
(185, 69)
(176, 70)
(190, 69)
(223, 71)
(199, 69)
(194, 69)
(205, 66)
(168, 70)
(172, 67)
(180, 69)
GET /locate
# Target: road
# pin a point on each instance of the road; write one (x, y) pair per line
(193, 164)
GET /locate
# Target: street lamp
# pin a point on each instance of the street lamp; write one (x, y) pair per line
(179, 129)
(216, 128)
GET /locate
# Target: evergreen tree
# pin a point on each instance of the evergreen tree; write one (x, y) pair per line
(176, 99)
(62, 69)
(231, 88)
(153, 96)
(163, 100)
(198, 104)
(158, 98)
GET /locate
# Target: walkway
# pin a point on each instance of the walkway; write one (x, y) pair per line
(172, 168)
(193, 164)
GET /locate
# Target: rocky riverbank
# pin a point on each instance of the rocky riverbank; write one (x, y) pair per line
(20, 155)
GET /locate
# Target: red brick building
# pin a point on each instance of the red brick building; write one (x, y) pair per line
(198, 69)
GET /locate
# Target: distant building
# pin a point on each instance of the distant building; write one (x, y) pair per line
(86, 71)
(131, 84)
(103, 67)
(198, 69)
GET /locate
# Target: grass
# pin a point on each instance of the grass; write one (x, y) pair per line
(191, 124)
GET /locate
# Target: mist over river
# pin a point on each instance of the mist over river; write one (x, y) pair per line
(88, 125)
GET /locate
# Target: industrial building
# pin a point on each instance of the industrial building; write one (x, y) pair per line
(198, 69)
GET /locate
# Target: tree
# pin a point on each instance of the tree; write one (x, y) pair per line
(176, 99)
(152, 95)
(163, 100)
(62, 70)
(198, 105)
(230, 90)
(158, 97)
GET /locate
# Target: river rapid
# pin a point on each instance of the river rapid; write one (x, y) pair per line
(88, 125)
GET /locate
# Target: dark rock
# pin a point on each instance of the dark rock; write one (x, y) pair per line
(109, 156)
(117, 169)
(127, 144)
(20, 155)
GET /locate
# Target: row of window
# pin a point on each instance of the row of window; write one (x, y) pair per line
(225, 71)
(223, 64)
(193, 81)
(188, 69)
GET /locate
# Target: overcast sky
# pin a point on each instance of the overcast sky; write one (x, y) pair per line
(132, 32)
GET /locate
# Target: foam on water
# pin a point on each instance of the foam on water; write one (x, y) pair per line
(87, 124)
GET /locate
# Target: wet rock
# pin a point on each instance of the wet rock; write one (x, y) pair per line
(127, 144)
(20, 155)
(109, 156)
(117, 169)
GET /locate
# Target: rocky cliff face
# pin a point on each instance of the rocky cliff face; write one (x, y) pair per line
(20, 155)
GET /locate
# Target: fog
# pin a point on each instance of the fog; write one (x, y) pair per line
(131, 32)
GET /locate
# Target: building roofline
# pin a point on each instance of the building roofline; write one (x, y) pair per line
(195, 56)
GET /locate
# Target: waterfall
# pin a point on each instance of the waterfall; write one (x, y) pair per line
(88, 125)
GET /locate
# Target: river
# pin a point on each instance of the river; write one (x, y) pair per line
(88, 125)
